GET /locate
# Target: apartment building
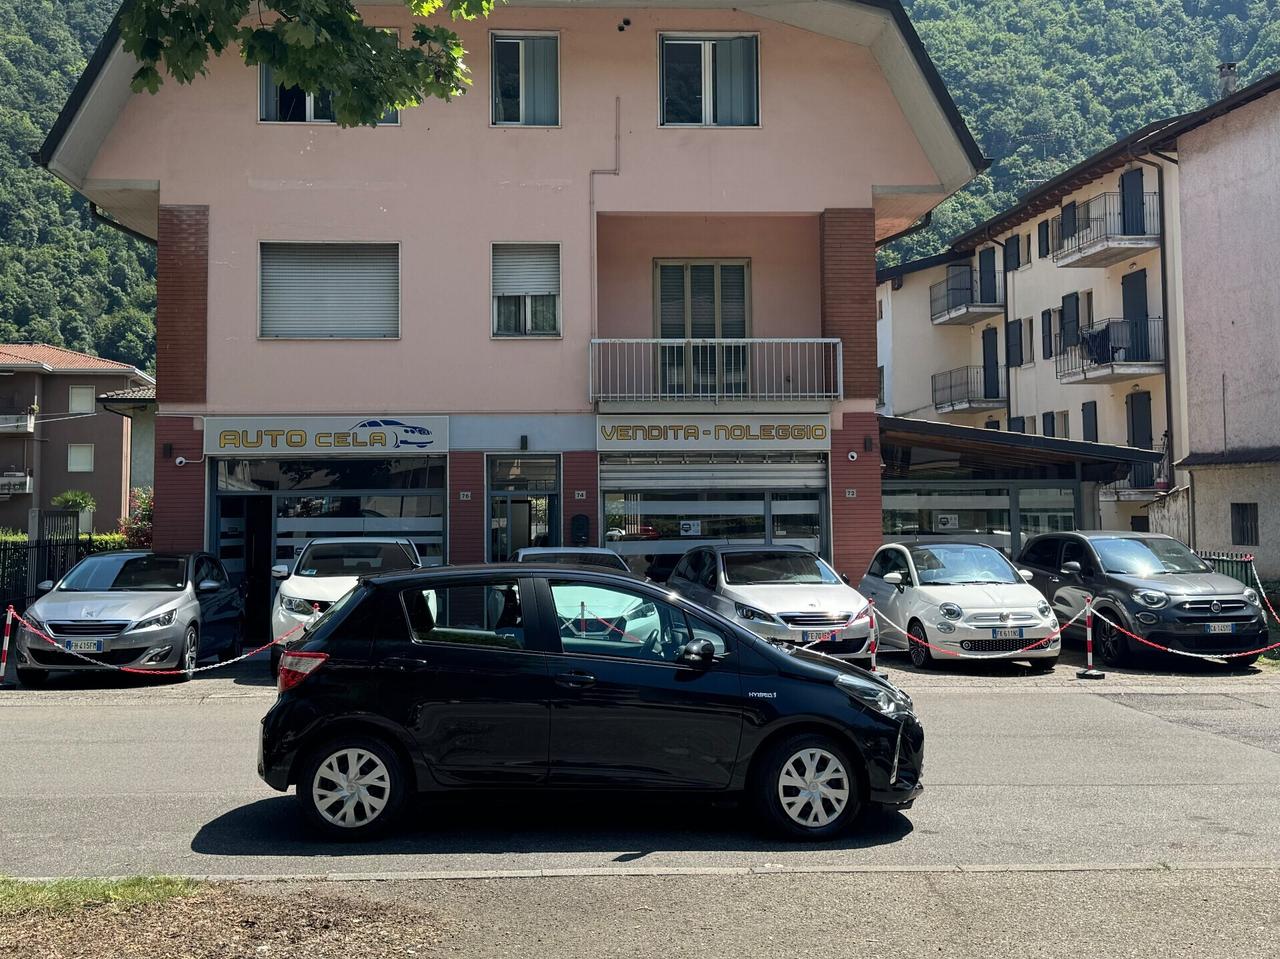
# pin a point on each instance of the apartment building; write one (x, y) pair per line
(53, 437)
(622, 293)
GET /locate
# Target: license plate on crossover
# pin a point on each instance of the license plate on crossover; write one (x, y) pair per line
(83, 645)
(816, 636)
(1007, 632)
(1220, 627)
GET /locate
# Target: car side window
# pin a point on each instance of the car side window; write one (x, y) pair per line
(880, 565)
(710, 572)
(700, 629)
(204, 570)
(1073, 550)
(1042, 553)
(604, 621)
(217, 572)
(474, 614)
(682, 568)
(896, 562)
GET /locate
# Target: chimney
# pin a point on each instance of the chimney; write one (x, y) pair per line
(1226, 79)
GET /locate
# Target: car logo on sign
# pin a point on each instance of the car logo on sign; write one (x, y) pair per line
(1004, 617)
(1215, 606)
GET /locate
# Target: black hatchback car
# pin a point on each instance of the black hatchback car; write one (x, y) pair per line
(556, 677)
(1152, 585)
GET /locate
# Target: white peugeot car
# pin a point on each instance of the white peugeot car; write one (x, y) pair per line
(961, 597)
(325, 571)
(786, 593)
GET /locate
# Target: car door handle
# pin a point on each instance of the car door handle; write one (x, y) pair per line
(1054, 579)
(403, 664)
(575, 680)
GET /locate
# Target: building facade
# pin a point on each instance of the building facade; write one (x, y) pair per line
(623, 293)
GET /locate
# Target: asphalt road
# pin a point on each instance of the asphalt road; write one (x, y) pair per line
(1022, 771)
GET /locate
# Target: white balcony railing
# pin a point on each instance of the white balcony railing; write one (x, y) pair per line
(17, 423)
(16, 483)
(758, 370)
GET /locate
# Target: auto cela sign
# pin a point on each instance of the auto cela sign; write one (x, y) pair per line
(325, 435)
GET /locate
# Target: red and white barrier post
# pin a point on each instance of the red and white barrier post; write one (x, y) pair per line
(1088, 672)
(873, 635)
(4, 647)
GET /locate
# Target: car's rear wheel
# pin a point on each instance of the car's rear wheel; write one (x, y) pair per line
(1112, 645)
(917, 645)
(352, 787)
(807, 787)
(33, 678)
(1243, 662)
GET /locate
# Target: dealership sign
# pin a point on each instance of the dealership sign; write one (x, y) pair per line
(325, 435)
(676, 432)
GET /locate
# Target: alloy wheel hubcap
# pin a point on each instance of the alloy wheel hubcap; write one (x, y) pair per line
(351, 788)
(918, 651)
(813, 788)
(189, 653)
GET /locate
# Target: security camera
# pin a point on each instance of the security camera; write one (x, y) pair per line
(626, 22)
(180, 461)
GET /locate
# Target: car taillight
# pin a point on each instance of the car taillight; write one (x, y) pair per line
(295, 667)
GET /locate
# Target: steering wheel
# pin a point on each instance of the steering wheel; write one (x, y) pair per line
(653, 642)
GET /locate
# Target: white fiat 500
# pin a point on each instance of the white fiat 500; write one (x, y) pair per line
(964, 597)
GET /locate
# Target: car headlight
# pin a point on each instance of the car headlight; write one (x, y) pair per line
(299, 607)
(1152, 598)
(1251, 596)
(155, 622)
(893, 703)
(951, 611)
(1044, 609)
(751, 614)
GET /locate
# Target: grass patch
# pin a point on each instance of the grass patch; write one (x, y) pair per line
(69, 895)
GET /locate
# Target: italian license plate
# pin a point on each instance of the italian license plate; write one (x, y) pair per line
(1007, 632)
(816, 636)
(83, 645)
(1220, 627)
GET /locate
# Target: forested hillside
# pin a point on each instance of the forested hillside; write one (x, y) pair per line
(1043, 83)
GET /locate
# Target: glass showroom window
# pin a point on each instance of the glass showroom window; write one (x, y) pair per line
(526, 80)
(710, 81)
(526, 289)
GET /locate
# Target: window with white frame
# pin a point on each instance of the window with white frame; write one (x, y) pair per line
(710, 81)
(525, 80)
(79, 457)
(526, 289)
(278, 103)
(702, 300)
(329, 291)
(81, 399)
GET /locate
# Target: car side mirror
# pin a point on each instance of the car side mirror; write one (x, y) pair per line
(1027, 575)
(700, 653)
(44, 586)
(1071, 568)
(894, 579)
(208, 586)
(280, 571)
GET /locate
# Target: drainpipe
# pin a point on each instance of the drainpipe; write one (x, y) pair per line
(1008, 373)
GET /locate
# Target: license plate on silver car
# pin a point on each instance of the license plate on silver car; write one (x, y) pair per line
(83, 645)
(816, 636)
(1007, 632)
(1220, 627)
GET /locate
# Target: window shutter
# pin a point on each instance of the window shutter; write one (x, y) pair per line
(1012, 253)
(330, 290)
(1046, 333)
(1046, 424)
(1089, 416)
(526, 269)
(1043, 231)
(735, 82)
(542, 81)
(1070, 319)
(702, 301)
(1068, 221)
(1017, 424)
(268, 104)
(1013, 344)
(733, 301)
(671, 302)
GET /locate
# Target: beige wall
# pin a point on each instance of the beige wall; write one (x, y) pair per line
(1216, 489)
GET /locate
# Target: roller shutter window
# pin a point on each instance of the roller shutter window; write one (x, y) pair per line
(526, 289)
(525, 80)
(330, 291)
(710, 81)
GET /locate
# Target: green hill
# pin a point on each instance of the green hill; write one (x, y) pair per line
(1043, 83)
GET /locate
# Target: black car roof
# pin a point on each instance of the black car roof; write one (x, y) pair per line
(517, 570)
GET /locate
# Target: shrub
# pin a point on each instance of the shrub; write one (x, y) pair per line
(76, 499)
(136, 527)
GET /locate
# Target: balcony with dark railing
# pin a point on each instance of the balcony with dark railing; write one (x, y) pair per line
(1107, 351)
(1143, 482)
(969, 388)
(1107, 230)
(966, 296)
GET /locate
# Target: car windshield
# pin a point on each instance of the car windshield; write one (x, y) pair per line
(962, 564)
(353, 559)
(135, 573)
(1142, 556)
(607, 560)
(768, 567)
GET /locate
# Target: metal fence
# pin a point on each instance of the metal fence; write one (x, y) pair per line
(1235, 565)
(1104, 342)
(24, 565)
(965, 287)
(1105, 215)
(968, 384)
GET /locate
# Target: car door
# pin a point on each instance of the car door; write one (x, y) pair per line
(895, 602)
(1041, 557)
(1071, 592)
(219, 607)
(468, 678)
(626, 712)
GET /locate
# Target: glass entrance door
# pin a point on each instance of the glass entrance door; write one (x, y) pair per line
(518, 520)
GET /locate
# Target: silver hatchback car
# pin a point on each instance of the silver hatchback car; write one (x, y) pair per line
(132, 608)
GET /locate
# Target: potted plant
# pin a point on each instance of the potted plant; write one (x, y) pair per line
(79, 500)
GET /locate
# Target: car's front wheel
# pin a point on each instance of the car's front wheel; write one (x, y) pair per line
(1243, 662)
(918, 645)
(190, 654)
(1113, 646)
(352, 787)
(33, 678)
(807, 787)
(1044, 664)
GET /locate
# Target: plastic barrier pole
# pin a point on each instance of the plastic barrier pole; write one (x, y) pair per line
(874, 635)
(4, 647)
(1088, 672)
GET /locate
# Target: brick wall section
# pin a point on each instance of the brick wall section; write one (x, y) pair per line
(179, 490)
(849, 295)
(581, 473)
(182, 300)
(467, 535)
(855, 522)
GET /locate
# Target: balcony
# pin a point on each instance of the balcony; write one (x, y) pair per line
(1107, 231)
(17, 423)
(1142, 483)
(1108, 351)
(968, 388)
(965, 297)
(713, 371)
(14, 484)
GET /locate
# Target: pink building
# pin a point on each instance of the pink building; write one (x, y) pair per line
(621, 293)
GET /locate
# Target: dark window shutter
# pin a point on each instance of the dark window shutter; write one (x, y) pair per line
(1071, 319)
(1089, 413)
(1017, 424)
(1046, 424)
(1043, 230)
(992, 424)
(1068, 221)
(1013, 343)
(1046, 333)
(1013, 253)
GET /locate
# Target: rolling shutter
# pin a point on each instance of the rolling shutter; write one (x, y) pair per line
(330, 290)
(526, 269)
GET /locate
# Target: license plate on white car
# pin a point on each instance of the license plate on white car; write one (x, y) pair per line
(1220, 627)
(1007, 632)
(83, 645)
(816, 636)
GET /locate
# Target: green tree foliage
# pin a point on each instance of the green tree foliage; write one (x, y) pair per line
(1045, 83)
(63, 278)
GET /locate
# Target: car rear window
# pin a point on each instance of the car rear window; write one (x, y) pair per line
(353, 559)
(606, 560)
(762, 567)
